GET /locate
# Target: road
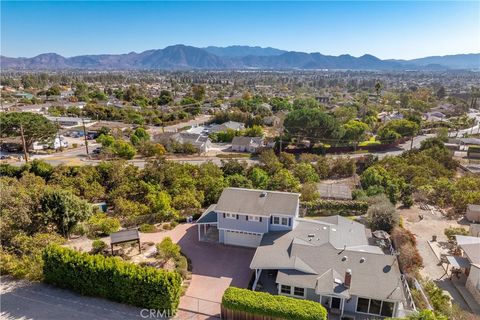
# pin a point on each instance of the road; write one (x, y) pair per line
(29, 300)
(78, 156)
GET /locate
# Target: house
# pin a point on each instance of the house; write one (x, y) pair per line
(435, 116)
(201, 142)
(243, 216)
(232, 125)
(247, 144)
(67, 122)
(330, 260)
(389, 116)
(470, 247)
(473, 213)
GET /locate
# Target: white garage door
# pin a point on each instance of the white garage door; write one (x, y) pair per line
(244, 239)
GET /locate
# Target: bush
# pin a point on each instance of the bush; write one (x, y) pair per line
(401, 236)
(167, 249)
(328, 207)
(101, 224)
(381, 214)
(409, 258)
(147, 228)
(111, 278)
(98, 246)
(451, 232)
(265, 304)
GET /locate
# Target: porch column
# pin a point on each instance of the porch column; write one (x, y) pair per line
(343, 307)
(199, 236)
(204, 229)
(257, 276)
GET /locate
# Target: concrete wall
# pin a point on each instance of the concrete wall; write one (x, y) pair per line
(242, 224)
(473, 283)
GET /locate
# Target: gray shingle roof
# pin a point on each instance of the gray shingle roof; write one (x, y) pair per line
(257, 202)
(328, 250)
(209, 216)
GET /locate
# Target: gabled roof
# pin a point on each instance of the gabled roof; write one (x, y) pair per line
(258, 202)
(317, 253)
(209, 216)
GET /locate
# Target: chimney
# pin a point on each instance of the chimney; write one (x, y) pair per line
(348, 278)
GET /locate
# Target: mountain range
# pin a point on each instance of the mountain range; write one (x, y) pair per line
(182, 57)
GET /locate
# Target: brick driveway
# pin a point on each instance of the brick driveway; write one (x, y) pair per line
(215, 268)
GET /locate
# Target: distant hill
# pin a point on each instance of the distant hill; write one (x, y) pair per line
(456, 61)
(243, 51)
(181, 57)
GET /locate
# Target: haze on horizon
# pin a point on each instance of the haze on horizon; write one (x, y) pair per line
(387, 30)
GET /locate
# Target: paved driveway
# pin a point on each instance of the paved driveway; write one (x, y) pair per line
(215, 268)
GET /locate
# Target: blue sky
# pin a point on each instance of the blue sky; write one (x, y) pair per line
(385, 29)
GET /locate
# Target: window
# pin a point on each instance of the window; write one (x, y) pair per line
(298, 291)
(280, 221)
(253, 218)
(285, 289)
(375, 306)
(362, 305)
(387, 309)
(230, 216)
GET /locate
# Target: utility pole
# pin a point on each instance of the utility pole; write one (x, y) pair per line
(24, 143)
(85, 137)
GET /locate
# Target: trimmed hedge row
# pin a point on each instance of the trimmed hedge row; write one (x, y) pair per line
(342, 207)
(111, 278)
(265, 304)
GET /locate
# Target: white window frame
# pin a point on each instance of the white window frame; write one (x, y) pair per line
(230, 216)
(280, 221)
(292, 291)
(254, 218)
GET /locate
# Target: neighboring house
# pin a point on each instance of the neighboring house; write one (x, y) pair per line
(58, 142)
(389, 116)
(473, 213)
(67, 122)
(330, 260)
(471, 251)
(434, 116)
(199, 141)
(232, 125)
(335, 191)
(272, 121)
(247, 144)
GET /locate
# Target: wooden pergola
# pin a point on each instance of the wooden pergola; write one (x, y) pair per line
(125, 236)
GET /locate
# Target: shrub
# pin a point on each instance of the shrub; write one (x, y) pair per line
(111, 278)
(451, 232)
(381, 214)
(401, 236)
(409, 258)
(265, 304)
(167, 249)
(101, 224)
(147, 228)
(98, 246)
(440, 301)
(328, 207)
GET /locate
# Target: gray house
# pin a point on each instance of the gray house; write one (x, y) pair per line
(242, 216)
(330, 260)
(247, 144)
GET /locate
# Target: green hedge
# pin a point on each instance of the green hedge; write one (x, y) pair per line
(265, 304)
(341, 207)
(111, 278)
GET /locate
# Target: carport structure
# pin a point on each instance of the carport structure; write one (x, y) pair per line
(125, 236)
(207, 225)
